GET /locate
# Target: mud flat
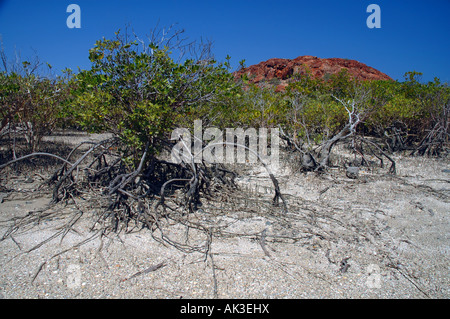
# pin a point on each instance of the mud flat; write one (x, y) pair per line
(377, 236)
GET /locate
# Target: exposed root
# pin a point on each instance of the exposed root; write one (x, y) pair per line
(154, 195)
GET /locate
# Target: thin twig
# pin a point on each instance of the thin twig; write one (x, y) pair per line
(146, 271)
(35, 154)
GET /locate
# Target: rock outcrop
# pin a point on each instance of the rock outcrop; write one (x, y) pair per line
(280, 71)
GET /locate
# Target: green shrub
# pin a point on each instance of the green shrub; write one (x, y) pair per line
(30, 105)
(142, 94)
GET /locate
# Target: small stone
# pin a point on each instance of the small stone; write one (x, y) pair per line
(352, 172)
(308, 161)
(28, 180)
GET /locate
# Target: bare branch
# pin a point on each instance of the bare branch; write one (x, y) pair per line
(35, 154)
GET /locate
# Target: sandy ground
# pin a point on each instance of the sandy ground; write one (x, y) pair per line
(378, 236)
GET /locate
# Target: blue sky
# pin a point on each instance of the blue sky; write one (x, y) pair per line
(414, 35)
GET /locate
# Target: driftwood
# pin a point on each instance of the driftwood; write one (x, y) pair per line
(317, 158)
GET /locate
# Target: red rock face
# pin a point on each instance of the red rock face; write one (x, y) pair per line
(283, 69)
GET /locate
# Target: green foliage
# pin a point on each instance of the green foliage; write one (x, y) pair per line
(305, 84)
(412, 104)
(142, 94)
(9, 88)
(30, 104)
(309, 108)
(341, 85)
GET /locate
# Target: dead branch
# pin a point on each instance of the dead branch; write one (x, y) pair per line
(392, 169)
(35, 154)
(127, 179)
(146, 271)
(72, 168)
(278, 194)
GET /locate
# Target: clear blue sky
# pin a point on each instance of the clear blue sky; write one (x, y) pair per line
(414, 35)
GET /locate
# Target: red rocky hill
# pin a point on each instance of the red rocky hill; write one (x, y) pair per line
(282, 70)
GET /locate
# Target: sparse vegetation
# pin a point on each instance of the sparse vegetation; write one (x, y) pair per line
(139, 93)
